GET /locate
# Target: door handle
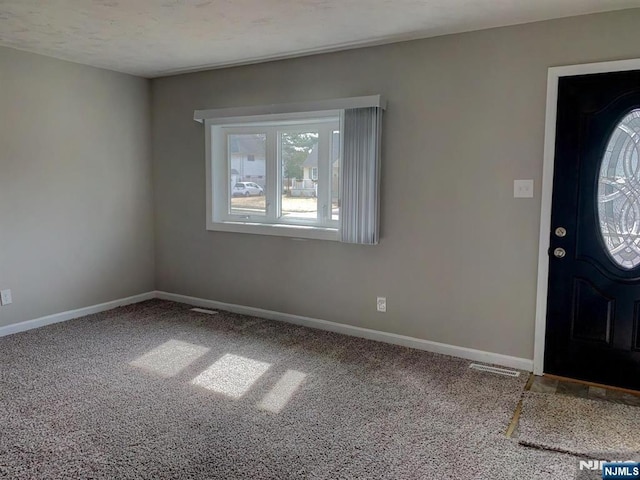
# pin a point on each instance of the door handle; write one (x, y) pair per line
(559, 252)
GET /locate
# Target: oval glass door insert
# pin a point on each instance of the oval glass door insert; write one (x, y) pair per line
(619, 193)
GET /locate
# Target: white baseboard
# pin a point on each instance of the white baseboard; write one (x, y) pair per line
(417, 343)
(429, 346)
(71, 314)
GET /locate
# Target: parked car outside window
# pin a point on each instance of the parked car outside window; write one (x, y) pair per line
(246, 189)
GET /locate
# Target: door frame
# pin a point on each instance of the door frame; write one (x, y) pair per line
(553, 76)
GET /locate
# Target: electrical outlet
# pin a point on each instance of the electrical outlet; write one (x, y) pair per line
(382, 304)
(5, 297)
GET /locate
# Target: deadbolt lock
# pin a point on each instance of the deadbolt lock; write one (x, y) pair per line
(559, 252)
(561, 232)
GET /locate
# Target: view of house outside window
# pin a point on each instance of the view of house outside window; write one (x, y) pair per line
(247, 172)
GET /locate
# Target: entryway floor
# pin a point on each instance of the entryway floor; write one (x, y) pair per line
(553, 385)
(573, 388)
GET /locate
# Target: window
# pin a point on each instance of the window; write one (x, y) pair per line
(277, 169)
(293, 159)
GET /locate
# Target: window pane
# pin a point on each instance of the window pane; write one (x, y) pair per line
(247, 174)
(335, 175)
(299, 159)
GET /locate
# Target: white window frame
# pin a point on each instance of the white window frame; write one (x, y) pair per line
(219, 216)
(218, 120)
(220, 159)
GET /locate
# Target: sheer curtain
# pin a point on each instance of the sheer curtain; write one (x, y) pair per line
(360, 190)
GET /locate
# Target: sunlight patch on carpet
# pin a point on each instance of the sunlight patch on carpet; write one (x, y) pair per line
(232, 375)
(170, 358)
(282, 391)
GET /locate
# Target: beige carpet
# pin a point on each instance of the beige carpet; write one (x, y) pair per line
(592, 428)
(156, 391)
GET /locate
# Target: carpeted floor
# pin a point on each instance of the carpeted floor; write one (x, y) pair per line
(590, 428)
(155, 390)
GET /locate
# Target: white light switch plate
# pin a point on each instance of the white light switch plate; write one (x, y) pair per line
(5, 297)
(523, 189)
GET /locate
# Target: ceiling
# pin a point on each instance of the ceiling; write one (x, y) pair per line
(152, 38)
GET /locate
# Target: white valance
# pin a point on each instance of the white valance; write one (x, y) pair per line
(233, 114)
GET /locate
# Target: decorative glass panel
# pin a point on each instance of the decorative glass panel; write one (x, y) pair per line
(619, 193)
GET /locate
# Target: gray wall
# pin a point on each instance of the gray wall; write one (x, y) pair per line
(76, 203)
(458, 255)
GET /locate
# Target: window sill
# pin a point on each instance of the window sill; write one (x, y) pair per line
(294, 231)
